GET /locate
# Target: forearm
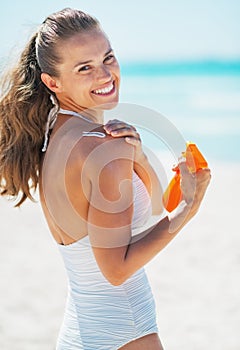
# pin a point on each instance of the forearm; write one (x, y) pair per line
(153, 241)
(117, 253)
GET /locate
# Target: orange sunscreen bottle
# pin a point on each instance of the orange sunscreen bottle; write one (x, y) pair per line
(194, 161)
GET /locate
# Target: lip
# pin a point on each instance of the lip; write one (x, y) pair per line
(111, 92)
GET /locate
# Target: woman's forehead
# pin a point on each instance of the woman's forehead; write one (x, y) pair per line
(86, 43)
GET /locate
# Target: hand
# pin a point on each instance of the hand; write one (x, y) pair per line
(194, 185)
(118, 128)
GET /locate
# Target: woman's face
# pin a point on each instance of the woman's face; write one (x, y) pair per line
(89, 74)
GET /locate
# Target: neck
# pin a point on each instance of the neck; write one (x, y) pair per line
(93, 114)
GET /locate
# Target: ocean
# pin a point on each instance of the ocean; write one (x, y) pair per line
(201, 99)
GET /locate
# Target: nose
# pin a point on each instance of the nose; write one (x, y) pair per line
(103, 74)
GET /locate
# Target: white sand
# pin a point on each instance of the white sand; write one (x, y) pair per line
(195, 280)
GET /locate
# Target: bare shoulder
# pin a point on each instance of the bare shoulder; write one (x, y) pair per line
(96, 149)
(89, 150)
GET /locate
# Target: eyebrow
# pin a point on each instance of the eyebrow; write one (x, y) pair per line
(89, 61)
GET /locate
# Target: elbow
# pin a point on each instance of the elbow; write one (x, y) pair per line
(117, 282)
(116, 278)
(157, 209)
(157, 206)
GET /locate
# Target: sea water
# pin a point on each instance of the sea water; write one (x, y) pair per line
(201, 99)
(203, 102)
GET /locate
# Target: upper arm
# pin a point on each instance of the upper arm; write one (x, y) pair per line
(110, 210)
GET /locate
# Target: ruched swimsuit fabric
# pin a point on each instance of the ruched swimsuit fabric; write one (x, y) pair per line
(98, 315)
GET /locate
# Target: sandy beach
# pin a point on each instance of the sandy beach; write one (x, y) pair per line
(195, 280)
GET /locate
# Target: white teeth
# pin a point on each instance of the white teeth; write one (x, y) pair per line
(104, 91)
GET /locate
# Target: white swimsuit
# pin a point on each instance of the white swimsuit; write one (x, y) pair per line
(98, 315)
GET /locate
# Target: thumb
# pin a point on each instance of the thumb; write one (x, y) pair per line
(183, 168)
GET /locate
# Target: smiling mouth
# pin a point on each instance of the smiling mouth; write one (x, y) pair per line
(105, 91)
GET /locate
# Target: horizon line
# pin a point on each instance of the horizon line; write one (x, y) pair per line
(196, 66)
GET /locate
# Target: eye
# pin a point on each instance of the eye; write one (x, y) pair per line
(109, 59)
(84, 69)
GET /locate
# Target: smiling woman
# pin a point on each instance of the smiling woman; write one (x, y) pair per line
(91, 83)
(94, 190)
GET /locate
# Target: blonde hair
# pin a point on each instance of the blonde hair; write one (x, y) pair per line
(25, 102)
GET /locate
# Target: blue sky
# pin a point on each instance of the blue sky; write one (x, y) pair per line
(140, 30)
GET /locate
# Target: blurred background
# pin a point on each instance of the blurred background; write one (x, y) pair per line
(181, 59)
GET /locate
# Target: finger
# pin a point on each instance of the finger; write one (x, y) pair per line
(113, 122)
(133, 141)
(183, 168)
(206, 171)
(125, 132)
(203, 175)
(120, 128)
(116, 125)
(107, 127)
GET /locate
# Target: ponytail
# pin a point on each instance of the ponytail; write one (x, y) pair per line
(24, 107)
(25, 103)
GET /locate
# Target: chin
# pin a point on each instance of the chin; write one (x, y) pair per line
(111, 105)
(108, 106)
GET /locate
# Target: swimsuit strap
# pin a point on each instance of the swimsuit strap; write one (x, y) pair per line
(52, 117)
(85, 133)
(76, 114)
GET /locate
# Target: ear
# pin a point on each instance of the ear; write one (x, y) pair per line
(52, 83)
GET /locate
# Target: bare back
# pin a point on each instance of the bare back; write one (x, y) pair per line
(65, 185)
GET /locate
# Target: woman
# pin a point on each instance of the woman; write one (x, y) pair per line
(96, 184)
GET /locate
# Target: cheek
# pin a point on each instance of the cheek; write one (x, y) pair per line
(83, 85)
(84, 89)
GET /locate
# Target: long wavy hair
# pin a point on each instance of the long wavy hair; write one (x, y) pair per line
(25, 102)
